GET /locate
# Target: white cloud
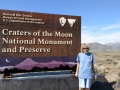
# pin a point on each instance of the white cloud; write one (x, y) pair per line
(114, 26)
(87, 29)
(94, 34)
(100, 38)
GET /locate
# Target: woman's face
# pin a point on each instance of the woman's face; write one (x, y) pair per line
(85, 50)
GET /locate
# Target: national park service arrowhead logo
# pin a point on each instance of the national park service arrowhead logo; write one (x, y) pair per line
(62, 21)
(71, 21)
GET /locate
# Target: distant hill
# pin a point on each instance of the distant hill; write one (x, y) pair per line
(104, 47)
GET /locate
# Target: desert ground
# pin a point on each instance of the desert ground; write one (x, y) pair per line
(108, 63)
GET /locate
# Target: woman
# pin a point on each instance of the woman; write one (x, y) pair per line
(85, 68)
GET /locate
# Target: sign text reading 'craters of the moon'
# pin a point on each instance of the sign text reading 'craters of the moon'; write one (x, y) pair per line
(34, 41)
(37, 34)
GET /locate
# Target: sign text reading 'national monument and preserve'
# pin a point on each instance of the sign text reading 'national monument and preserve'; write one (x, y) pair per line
(38, 37)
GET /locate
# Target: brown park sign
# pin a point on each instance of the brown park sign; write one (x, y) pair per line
(31, 34)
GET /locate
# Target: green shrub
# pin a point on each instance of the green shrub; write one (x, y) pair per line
(115, 62)
(99, 69)
(118, 80)
(119, 74)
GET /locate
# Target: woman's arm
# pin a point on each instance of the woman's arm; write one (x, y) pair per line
(77, 68)
(94, 71)
(93, 68)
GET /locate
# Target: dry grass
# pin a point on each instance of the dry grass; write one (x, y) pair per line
(118, 79)
(108, 63)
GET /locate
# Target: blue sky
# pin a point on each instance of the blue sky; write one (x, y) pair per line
(100, 18)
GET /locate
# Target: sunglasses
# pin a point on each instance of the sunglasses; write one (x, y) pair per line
(85, 48)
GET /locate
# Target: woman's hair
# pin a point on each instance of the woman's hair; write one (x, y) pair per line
(84, 46)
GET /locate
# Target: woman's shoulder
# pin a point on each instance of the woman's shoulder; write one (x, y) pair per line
(80, 53)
